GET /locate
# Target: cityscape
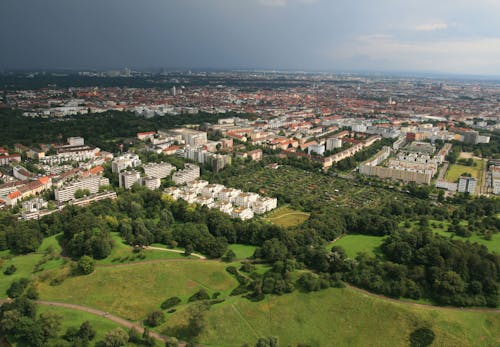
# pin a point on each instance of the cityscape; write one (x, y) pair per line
(215, 182)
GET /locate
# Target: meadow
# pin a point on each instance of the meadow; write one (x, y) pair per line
(355, 244)
(339, 317)
(133, 290)
(287, 217)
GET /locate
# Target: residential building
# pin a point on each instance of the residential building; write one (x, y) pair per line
(160, 170)
(90, 183)
(128, 178)
(190, 173)
(467, 185)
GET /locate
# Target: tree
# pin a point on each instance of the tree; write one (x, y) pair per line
(229, 256)
(86, 265)
(86, 331)
(421, 337)
(155, 318)
(116, 338)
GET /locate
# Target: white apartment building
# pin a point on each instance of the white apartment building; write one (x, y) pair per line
(211, 190)
(333, 143)
(190, 173)
(124, 161)
(242, 213)
(92, 183)
(197, 185)
(246, 199)
(228, 194)
(264, 204)
(128, 178)
(160, 170)
(151, 182)
(76, 141)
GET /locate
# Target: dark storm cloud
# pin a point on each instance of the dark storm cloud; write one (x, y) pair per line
(283, 34)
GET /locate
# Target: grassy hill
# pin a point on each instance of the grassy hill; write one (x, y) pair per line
(339, 317)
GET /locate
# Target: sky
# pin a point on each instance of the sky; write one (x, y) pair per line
(441, 36)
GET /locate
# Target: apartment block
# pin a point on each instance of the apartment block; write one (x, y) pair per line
(128, 178)
(190, 173)
(160, 170)
(92, 183)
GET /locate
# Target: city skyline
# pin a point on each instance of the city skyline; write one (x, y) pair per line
(450, 37)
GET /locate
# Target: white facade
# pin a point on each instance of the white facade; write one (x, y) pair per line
(151, 182)
(190, 173)
(128, 178)
(160, 170)
(467, 185)
(124, 161)
(92, 183)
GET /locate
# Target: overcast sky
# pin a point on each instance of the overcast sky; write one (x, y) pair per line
(449, 36)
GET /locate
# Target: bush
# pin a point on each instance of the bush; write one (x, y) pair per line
(10, 269)
(422, 337)
(232, 270)
(170, 302)
(200, 295)
(17, 288)
(155, 318)
(115, 338)
(229, 256)
(86, 265)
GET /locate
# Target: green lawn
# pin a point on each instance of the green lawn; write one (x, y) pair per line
(75, 318)
(287, 217)
(440, 227)
(133, 290)
(24, 265)
(355, 244)
(51, 241)
(338, 317)
(123, 253)
(242, 251)
(456, 170)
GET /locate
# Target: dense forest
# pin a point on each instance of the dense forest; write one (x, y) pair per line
(105, 130)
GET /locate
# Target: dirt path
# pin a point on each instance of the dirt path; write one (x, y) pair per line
(123, 322)
(175, 251)
(415, 304)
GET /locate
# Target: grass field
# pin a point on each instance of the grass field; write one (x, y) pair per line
(24, 265)
(133, 290)
(242, 251)
(123, 253)
(339, 317)
(440, 227)
(287, 217)
(355, 244)
(456, 170)
(75, 318)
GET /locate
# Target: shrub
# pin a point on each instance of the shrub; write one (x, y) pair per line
(199, 295)
(86, 265)
(170, 302)
(155, 318)
(10, 269)
(421, 337)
